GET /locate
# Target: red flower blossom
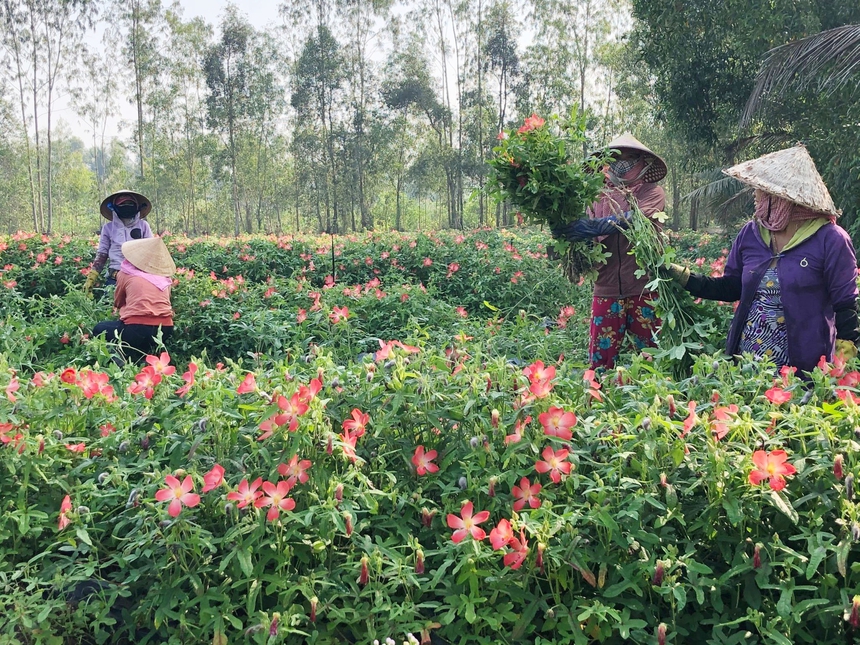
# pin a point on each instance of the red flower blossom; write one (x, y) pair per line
(301, 316)
(531, 123)
(501, 535)
(339, 314)
(772, 466)
(69, 375)
(249, 384)
(526, 493)
(76, 447)
(722, 416)
(467, 523)
(517, 436)
(65, 507)
(213, 479)
(538, 372)
(295, 470)
(106, 429)
(557, 423)
(593, 386)
(423, 462)
(356, 426)
(692, 418)
(11, 389)
(145, 382)
(514, 559)
(246, 493)
(276, 498)
(188, 377)
(777, 395)
(555, 463)
(179, 494)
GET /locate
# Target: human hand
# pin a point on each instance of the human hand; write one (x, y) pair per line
(92, 278)
(678, 273)
(845, 349)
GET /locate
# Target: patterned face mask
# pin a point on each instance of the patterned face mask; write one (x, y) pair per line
(622, 167)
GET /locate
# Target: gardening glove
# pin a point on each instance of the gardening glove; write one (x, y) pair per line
(92, 278)
(678, 273)
(845, 349)
(583, 229)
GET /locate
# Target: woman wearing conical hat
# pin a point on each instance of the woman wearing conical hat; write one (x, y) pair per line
(126, 212)
(620, 305)
(142, 297)
(792, 268)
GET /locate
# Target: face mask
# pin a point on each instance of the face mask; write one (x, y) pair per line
(622, 167)
(126, 210)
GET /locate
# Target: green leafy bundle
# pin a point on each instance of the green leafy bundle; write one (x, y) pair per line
(538, 168)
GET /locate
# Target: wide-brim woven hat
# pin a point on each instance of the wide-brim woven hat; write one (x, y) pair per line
(150, 255)
(144, 204)
(658, 168)
(789, 174)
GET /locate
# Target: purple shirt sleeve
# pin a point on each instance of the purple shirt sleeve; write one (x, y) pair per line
(840, 263)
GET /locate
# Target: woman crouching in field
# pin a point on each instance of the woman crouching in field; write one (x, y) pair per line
(142, 297)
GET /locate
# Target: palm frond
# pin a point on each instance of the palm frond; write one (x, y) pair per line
(726, 197)
(830, 58)
(769, 140)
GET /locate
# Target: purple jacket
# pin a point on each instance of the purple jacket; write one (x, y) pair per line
(817, 278)
(115, 233)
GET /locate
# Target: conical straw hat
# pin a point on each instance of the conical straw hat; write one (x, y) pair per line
(143, 202)
(627, 141)
(150, 255)
(789, 174)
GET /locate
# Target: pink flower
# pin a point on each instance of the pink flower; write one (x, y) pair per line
(11, 389)
(467, 524)
(777, 395)
(213, 479)
(76, 447)
(295, 470)
(161, 364)
(501, 535)
(357, 425)
(301, 316)
(106, 429)
(249, 384)
(722, 416)
(593, 386)
(179, 494)
(515, 558)
(531, 123)
(555, 463)
(526, 493)
(276, 498)
(692, 418)
(339, 314)
(423, 462)
(557, 423)
(188, 377)
(145, 382)
(246, 493)
(537, 371)
(65, 507)
(772, 466)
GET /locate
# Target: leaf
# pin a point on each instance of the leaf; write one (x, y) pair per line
(782, 505)
(842, 551)
(489, 306)
(815, 558)
(83, 536)
(245, 562)
(219, 639)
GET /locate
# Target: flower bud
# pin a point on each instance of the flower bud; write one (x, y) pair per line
(715, 396)
(338, 493)
(489, 386)
(806, 397)
(330, 445)
(389, 364)
(661, 634)
(103, 477)
(659, 572)
(419, 562)
(663, 480)
(854, 618)
(124, 446)
(273, 628)
(133, 498)
(228, 509)
(855, 531)
(491, 488)
(849, 487)
(41, 447)
(165, 523)
(427, 517)
(539, 562)
(314, 603)
(144, 442)
(58, 435)
(757, 557)
(463, 483)
(474, 442)
(494, 418)
(646, 423)
(347, 518)
(837, 466)
(364, 577)
(82, 510)
(670, 401)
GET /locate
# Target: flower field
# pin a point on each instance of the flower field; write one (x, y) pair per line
(410, 445)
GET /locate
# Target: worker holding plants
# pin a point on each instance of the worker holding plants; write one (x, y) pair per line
(792, 268)
(126, 213)
(621, 304)
(143, 298)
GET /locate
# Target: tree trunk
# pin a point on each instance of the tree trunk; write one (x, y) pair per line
(676, 201)
(41, 226)
(138, 81)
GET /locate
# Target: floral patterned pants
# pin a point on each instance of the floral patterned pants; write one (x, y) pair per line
(611, 319)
